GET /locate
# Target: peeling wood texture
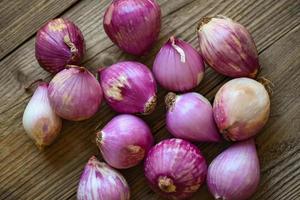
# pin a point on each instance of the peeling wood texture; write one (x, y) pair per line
(27, 173)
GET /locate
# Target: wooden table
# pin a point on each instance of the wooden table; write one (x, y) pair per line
(27, 173)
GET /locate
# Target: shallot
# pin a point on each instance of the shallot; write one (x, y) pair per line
(101, 182)
(241, 108)
(39, 120)
(59, 43)
(228, 47)
(190, 117)
(75, 94)
(175, 168)
(133, 25)
(129, 87)
(178, 66)
(124, 141)
(235, 173)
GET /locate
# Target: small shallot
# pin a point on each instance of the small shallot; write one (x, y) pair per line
(190, 117)
(129, 87)
(39, 120)
(235, 173)
(175, 168)
(75, 94)
(178, 66)
(133, 25)
(124, 141)
(228, 47)
(101, 182)
(59, 43)
(241, 108)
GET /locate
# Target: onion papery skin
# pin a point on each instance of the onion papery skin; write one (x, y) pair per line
(241, 108)
(39, 120)
(175, 168)
(133, 25)
(190, 117)
(75, 94)
(228, 47)
(129, 87)
(124, 141)
(178, 66)
(101, 182)
(59, 43)
(235, 173)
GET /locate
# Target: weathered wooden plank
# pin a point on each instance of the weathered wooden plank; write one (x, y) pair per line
(20, 19)
(59, 167)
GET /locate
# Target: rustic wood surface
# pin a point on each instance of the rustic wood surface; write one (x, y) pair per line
(27, 173)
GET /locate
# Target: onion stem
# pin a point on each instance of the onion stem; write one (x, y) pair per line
(150, 105)
(99, 137)
(27, 88)
(170, 100)
(81, 69)
(166, 184)
(267, 84)
(203, 21)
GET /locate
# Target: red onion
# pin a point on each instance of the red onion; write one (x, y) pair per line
(101, 182)
(241, 108)
(178, 66)
(133, 25)
(190, 117)
(59, 43)
(228, 47)
(124, 141)
(235, 173)
(175, 168)
(129, 87)
(75, 94)
(39, 120)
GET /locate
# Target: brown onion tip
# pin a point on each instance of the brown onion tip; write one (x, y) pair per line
(27, 88)
(166, 184)
(41, 147)
(172, 39)
(170, 100)
(81, 69)
(267, 84)
(150, 105)
(202, 22)
(99, 137)
(225, 133)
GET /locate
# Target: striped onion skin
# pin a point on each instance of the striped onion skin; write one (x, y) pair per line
(129, 87)
(75, 94)
(101, 182)
(178, 66)
(235, 173)
(133, 25)
(175, 168)
(228, 47)
(59, 43)
(124, 141)
(190, 117)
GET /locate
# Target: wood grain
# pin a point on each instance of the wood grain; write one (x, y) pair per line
(20, 19)
(26, 173)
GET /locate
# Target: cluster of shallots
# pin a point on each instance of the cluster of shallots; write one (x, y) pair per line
(174, 168)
